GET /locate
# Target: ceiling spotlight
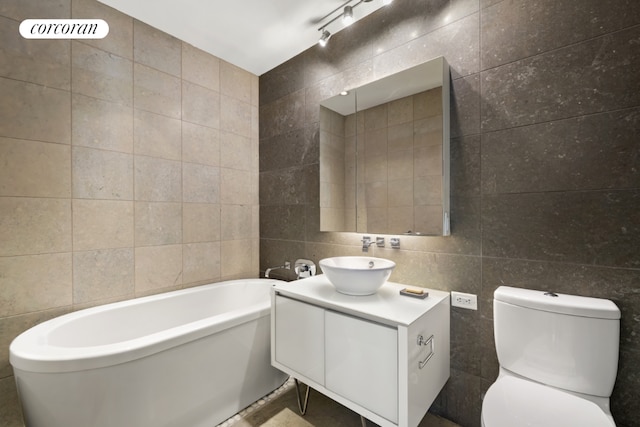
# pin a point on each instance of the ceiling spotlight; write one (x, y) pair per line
(324, 38)
(347, 16)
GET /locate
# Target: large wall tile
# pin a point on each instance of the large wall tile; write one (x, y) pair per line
(44, 62)
(158, 223)
(235, 116)
(157, 180)
(156, 49)
(233, 187)
(282, 116)
(157, 136)
(103, 274)
(588, 152)
(27, 104)
(235, 82)
(34, 225)
(465, 176)
(102, 224)
(34, 169)
(200, 222)
(590, 77)
(101, 124)
(297, 147)
(282, 80)
(201, 105)
(202, 262)
(235, 260)
(201, 183)
(99, 174)
(416, 18)
(282, 222)
(236, 222)
(594, 227)
(457, 42)
(158, 267)
(156, 91)
(465, 106)
(120, 38)
(235, 151)
(201, 68)
(200, 144)
(34, 283)
(516, 29)
(100, 74)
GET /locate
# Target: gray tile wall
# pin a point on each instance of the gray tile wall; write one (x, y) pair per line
(545, 113)
(128, 166)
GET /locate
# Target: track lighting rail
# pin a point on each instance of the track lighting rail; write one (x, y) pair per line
(346, 15)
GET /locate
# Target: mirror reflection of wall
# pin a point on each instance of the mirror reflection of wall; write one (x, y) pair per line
(400, 156)
(384, 153)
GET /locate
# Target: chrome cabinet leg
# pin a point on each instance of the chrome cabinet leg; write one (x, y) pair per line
(302, 406)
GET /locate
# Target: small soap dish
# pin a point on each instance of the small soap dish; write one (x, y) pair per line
(415, 293)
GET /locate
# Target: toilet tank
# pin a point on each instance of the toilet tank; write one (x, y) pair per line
(565, 341)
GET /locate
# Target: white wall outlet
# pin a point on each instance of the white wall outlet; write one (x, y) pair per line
(462, 300)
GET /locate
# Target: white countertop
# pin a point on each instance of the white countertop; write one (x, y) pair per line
(386, 306)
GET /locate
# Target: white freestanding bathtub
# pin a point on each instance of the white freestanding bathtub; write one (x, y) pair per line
(187, 358)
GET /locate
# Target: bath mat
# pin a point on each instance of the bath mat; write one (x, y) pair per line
(286, 418)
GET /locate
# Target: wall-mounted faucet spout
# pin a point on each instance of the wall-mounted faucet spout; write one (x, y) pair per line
(285, 266)
(366, 242)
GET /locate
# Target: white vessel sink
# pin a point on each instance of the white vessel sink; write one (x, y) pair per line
(357, 275)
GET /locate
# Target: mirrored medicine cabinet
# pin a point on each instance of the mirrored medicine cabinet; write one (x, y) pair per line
(384, 155)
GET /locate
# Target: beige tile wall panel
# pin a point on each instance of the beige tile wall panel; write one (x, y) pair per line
(44, 62)
(99, 174)
(200, 144)
(201, 68)
(156, 91)
(102, 224)
(34, 225)
(30, 111)
(34, 169)
(158, 223)
(34, 283)
(200, 105)
(102, 275)
(157, 180)
(156, 135)
(200, 222)
(202, 262)
(97, 123)
(157, 267)
(100, 74)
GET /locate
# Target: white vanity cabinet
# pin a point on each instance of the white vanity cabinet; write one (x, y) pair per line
(385, 356)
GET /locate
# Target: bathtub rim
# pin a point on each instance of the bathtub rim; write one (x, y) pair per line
(29, 353)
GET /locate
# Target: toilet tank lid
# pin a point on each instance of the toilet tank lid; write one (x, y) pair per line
(561, 303)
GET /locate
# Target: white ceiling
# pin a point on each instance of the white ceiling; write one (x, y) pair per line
(256, 35)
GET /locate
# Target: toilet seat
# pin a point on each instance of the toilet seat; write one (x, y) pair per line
(512, 401)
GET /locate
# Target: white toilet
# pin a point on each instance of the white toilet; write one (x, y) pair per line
(558, 359)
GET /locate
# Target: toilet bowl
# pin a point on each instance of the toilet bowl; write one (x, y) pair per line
(511, 400)
(558, 358)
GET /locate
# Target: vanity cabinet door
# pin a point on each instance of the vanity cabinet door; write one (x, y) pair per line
(299, 337)
(362, 363)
